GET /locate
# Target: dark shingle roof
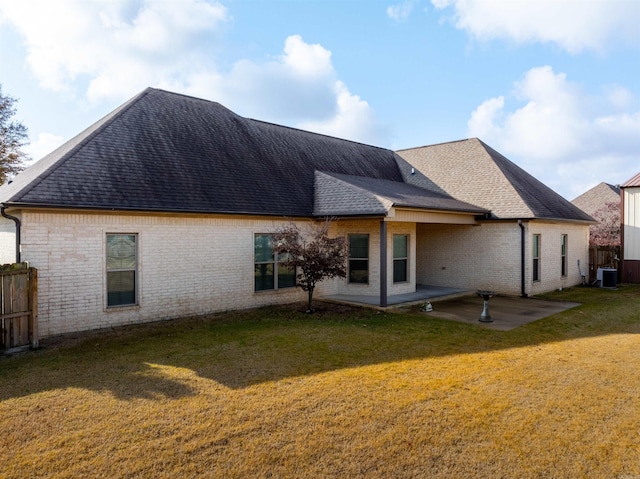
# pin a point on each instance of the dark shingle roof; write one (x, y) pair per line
(163, 151)
(541, 200)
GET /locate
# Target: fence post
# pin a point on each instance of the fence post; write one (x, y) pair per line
(33, 306)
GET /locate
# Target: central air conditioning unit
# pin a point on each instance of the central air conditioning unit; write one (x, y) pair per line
(607, 277)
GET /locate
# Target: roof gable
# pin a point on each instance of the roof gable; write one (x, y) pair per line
(472, 171)
(338, 194)
(597, 197)
(336, 197)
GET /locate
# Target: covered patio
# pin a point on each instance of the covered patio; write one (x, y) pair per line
(422, 293)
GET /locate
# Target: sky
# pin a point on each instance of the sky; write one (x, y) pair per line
(554, 85)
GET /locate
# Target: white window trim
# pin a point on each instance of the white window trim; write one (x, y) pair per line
(136, 271)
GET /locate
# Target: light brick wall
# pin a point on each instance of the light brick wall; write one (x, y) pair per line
(551, 265)
(197, 265)
(185, 266)
(372, 228)
(342, 286)
(489, 256)
(7, 241)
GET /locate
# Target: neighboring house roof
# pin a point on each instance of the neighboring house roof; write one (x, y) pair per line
(472, 171)
(168, 152)
(340, 195)
(597, 197)
(633, 182)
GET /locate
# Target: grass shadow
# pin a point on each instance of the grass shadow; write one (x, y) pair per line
(240, 349)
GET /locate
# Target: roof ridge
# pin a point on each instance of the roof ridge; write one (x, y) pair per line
(99, 126)
(488, 149)
(308, 132)
(438, 144)
(535, 211)
(191, 97)
(439, 194)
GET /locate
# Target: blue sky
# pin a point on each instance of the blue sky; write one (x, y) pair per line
(554, 85)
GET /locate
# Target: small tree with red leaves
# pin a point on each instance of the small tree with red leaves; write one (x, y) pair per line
(607, 231)
(314, 255)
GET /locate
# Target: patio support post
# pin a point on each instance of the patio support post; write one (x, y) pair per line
(383, 264)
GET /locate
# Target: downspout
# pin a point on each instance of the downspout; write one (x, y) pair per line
(522, 259)
(18, 224)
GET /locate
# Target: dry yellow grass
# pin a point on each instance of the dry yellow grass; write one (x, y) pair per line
(277, 393)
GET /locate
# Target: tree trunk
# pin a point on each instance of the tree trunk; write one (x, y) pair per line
(310, 295)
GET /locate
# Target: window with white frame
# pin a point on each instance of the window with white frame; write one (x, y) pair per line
(270, 273)
(122, 269)
(563, 254)
(536, 258)
(400, 258)
(359, 258)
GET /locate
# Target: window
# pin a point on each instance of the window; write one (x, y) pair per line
(270, 273)
(536, 257)
(563, 254)
(400, 258)
(359, 258)
(122, 265)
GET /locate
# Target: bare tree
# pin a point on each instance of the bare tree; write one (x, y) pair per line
(313, 253)
(13, 137)
(607, 231)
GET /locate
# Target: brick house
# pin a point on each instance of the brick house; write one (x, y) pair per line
(530, 243)
(164, 208)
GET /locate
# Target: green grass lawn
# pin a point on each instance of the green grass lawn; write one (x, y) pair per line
(343, 393)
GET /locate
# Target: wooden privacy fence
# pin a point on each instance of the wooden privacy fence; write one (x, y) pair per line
(602, 257)
(18, 306)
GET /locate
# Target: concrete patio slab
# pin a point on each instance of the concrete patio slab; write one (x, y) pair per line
(507, 312)
(420, 295)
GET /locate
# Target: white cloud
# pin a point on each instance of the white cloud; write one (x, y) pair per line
(484, 118)
(574, 26)
(354, 119)
(109, 50)
(299, 88)
(305, 59)
(117, 46)
(400, 11)
(299, 84)
(619, 97)
(563, 136)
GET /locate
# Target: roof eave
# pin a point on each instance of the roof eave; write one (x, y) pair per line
(115, 209)
(538, 218)
(475, 212)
